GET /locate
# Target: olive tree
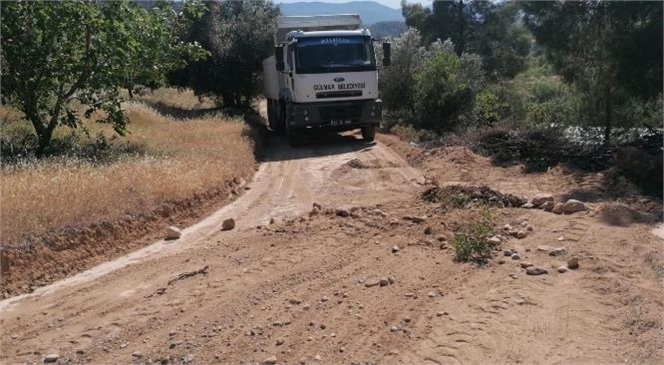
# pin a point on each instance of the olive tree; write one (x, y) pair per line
(57, 57)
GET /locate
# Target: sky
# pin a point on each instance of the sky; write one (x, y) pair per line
(396, 4)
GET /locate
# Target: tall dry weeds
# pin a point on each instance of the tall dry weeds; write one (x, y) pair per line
(180, 158)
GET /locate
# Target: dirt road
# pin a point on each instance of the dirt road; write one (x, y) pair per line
(301, 289)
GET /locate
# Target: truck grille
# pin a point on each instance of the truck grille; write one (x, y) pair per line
(338, 94)
(329, 113)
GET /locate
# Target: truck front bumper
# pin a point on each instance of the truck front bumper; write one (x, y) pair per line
(340, 115)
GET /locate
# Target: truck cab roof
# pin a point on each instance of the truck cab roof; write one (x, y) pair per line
(328, 33)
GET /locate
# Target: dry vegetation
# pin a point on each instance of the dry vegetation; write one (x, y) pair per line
(162, 159)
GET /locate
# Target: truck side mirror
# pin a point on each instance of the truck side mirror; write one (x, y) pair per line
(279, 57)
(387, 54)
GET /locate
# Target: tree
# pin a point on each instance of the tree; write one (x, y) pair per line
(238, 34)
(611, 51)
(446, 87)
(57, 53)
(489, 29)
(397, 82)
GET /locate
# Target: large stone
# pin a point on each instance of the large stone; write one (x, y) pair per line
(535, 270)
(558, 208)
(173, 233)
(540, 199)
(342, 212)
(228, 224)
(573, 206)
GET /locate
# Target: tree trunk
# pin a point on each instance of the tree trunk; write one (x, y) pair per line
(607, 114)
(461, 47)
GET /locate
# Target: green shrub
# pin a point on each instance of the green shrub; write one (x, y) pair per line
(472, 245)
(446, 88)
(490, 108)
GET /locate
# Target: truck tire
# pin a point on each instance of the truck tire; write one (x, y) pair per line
(274, 118)
(369, 133)
(294, 137)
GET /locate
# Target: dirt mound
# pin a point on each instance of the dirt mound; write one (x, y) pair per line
(460, 196)
(623, 215)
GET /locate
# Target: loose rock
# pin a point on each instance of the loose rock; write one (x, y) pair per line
(280, 341)
(372, 282)
(558, 251)
(508, 253)
(173, 233)
(573, 206)
(270, 360)
(526, 264)
(562, 269)
(395, 249)
(535, 270)
(51, 358)
(521, 234)
(384, 282)
(516, 256)
(548, 206)
(540, 199)
(228, 224)
(558, 208)
(341, 212)
(495, 241)
(573, 263)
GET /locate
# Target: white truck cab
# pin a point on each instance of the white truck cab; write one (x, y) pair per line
(324, 75)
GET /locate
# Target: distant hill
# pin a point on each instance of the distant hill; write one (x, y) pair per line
(370, 12)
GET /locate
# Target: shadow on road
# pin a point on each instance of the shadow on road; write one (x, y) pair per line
(314, 144)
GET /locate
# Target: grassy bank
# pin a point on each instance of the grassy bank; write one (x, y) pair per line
(162, 168)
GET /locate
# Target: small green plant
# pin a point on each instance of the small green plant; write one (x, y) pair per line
(472, 245)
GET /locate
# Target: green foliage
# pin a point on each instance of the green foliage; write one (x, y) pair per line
(610, 51)
(446, 87)
(238, 34)
(471, 244)
(489, 29)
(397, 82)
(55, 53)
(490, 107)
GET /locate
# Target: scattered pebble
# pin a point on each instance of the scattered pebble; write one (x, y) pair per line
(516, 256)
(520, 234)
(573, 263)
(395, 249)
(173, 233)
(228, 224)
(558, 251)
(508, 253)
(51, 358)
(558, 208)
(270, 360)
(526, 264)
(432, 294)
(562, 269)
(540, 199)
(384, 282)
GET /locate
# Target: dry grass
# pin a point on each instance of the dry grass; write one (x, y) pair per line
(178, 159)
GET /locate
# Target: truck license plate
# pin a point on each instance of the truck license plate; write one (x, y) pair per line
(340, 122)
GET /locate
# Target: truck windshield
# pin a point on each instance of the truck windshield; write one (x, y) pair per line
(335, 54)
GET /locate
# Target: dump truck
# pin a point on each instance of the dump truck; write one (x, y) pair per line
(323, 75)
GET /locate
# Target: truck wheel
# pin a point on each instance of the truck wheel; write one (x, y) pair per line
(369, 133)
(294, 137)
(274, 119)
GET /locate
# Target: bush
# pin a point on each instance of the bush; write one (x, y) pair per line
(397, 82)
(472, 245)
(446, 88)
(490, 107)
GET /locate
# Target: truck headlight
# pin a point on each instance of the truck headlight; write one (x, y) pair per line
(306, 112)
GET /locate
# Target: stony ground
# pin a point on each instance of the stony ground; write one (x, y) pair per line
(338, 255)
